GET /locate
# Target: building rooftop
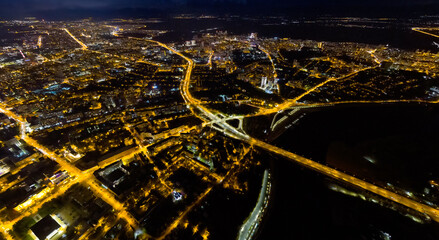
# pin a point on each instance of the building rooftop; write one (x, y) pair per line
(45, 227)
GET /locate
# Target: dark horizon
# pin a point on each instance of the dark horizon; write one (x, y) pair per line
(58, 10)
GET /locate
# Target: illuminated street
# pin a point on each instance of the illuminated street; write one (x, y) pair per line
(75, 173)
(155, 121)
(432, 212)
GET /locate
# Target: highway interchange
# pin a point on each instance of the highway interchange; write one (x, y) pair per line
(328, 171)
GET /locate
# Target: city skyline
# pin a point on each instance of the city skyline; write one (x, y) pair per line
(138, 8)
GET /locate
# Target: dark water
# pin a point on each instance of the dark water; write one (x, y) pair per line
(303, 207)
(394, 144)
(390, 33)
(402, 139)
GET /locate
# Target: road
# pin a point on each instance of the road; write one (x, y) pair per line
(293, 102)
(77, 40)
(343, 177)
(424, 32)
(271, 60)
(250, 225)
(85, 177)
(328, 171)
(183, 214)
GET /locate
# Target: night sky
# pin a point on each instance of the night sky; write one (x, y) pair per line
(25, 7)
(53, 4)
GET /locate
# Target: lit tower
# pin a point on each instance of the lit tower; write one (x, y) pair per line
(40, 41)
(264, 82)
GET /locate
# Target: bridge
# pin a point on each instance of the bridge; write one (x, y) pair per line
(431, 212)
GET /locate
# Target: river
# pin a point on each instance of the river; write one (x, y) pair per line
(390, 33)
(383, 143)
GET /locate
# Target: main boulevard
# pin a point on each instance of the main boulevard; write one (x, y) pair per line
(433, 213)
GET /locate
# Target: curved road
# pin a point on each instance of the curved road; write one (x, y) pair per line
(433, 213)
